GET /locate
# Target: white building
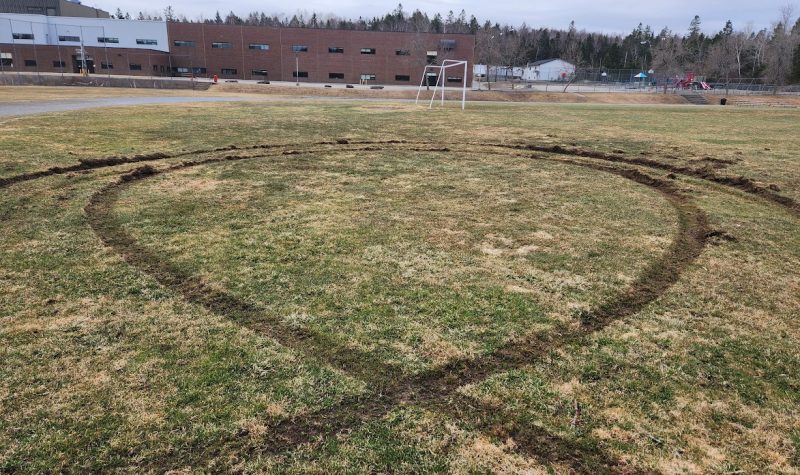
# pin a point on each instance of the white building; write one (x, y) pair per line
(548, 70)
(496, 73)
(23, 29)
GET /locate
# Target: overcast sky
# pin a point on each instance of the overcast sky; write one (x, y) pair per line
(619, 16)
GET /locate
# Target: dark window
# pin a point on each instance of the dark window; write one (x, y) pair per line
(183, 70)
(73, 39)
(299, 74)
(106, 39)
(221, 45)
(447, 44)
(146, 42)
(335, 49)
(431, 57)
(30, 62)
(6, 59)
(22, 36)
(402, 52)
(299, 48)
(155, 68)
(261, 46)
(335, 75)
(367, 50)
(106, 66)
(368, 77)
(402, 77)
(454, 78)
(228, 71)
(58, 64)
(135, 67)
(259, 72)
(184, 43)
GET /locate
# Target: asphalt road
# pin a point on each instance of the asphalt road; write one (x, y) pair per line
(12, 109)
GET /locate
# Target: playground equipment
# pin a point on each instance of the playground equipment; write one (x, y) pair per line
(691, 82)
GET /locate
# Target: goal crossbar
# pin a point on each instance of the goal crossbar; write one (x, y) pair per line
(440, 78)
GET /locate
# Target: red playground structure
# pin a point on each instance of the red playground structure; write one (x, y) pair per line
(690, 83)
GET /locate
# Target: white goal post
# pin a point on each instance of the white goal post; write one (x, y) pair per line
(440, 78)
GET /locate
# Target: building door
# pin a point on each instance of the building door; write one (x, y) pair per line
(431, 79)
(77, 64)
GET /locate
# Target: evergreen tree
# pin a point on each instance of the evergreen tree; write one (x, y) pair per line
(795, 78)
(437, 26)
(474, 26)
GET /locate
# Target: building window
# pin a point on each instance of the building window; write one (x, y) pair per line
(447, 45)
(454, 78)
(182, 70)
(146, 42)
(335, 75)
(367, 50)
(30, 62)
(228, 71)
(367, 77)
(259, 72)
(35, 10)
(402, 77)
(155, 68)
(22, 36)
(106, 66)
(72, 39)
(402, 52)
(259, 46)
(335, 49)
(106, 39)
(300, 48)
(58, 64)
(184, 43)
(221, 45)
(299, 74)
(6, 59)
(135, 67)
(431, 57)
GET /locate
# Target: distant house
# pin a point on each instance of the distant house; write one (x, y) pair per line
(548, 70)
(496, 73)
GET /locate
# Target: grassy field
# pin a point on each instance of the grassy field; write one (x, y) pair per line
(348, 287)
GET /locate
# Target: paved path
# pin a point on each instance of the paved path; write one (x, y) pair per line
(11, 109)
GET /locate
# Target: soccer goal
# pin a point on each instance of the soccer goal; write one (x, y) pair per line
(431, 70)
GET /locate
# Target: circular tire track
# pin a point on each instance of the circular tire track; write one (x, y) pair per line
(434, 389)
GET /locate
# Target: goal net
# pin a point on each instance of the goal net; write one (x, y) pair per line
(439, 71)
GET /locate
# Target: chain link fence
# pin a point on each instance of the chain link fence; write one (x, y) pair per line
(632, 81)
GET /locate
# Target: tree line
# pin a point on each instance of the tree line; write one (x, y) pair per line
(772, 54)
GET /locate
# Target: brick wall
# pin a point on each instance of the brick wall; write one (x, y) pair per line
(280, 61)
(241, 61)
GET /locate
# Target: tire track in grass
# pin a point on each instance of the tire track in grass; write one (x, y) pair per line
(436, 389)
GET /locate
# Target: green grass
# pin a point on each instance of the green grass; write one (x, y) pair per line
(411, 260)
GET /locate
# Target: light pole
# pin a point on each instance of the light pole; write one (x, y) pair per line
(296, 69)
(644, 57)
(83, 56)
